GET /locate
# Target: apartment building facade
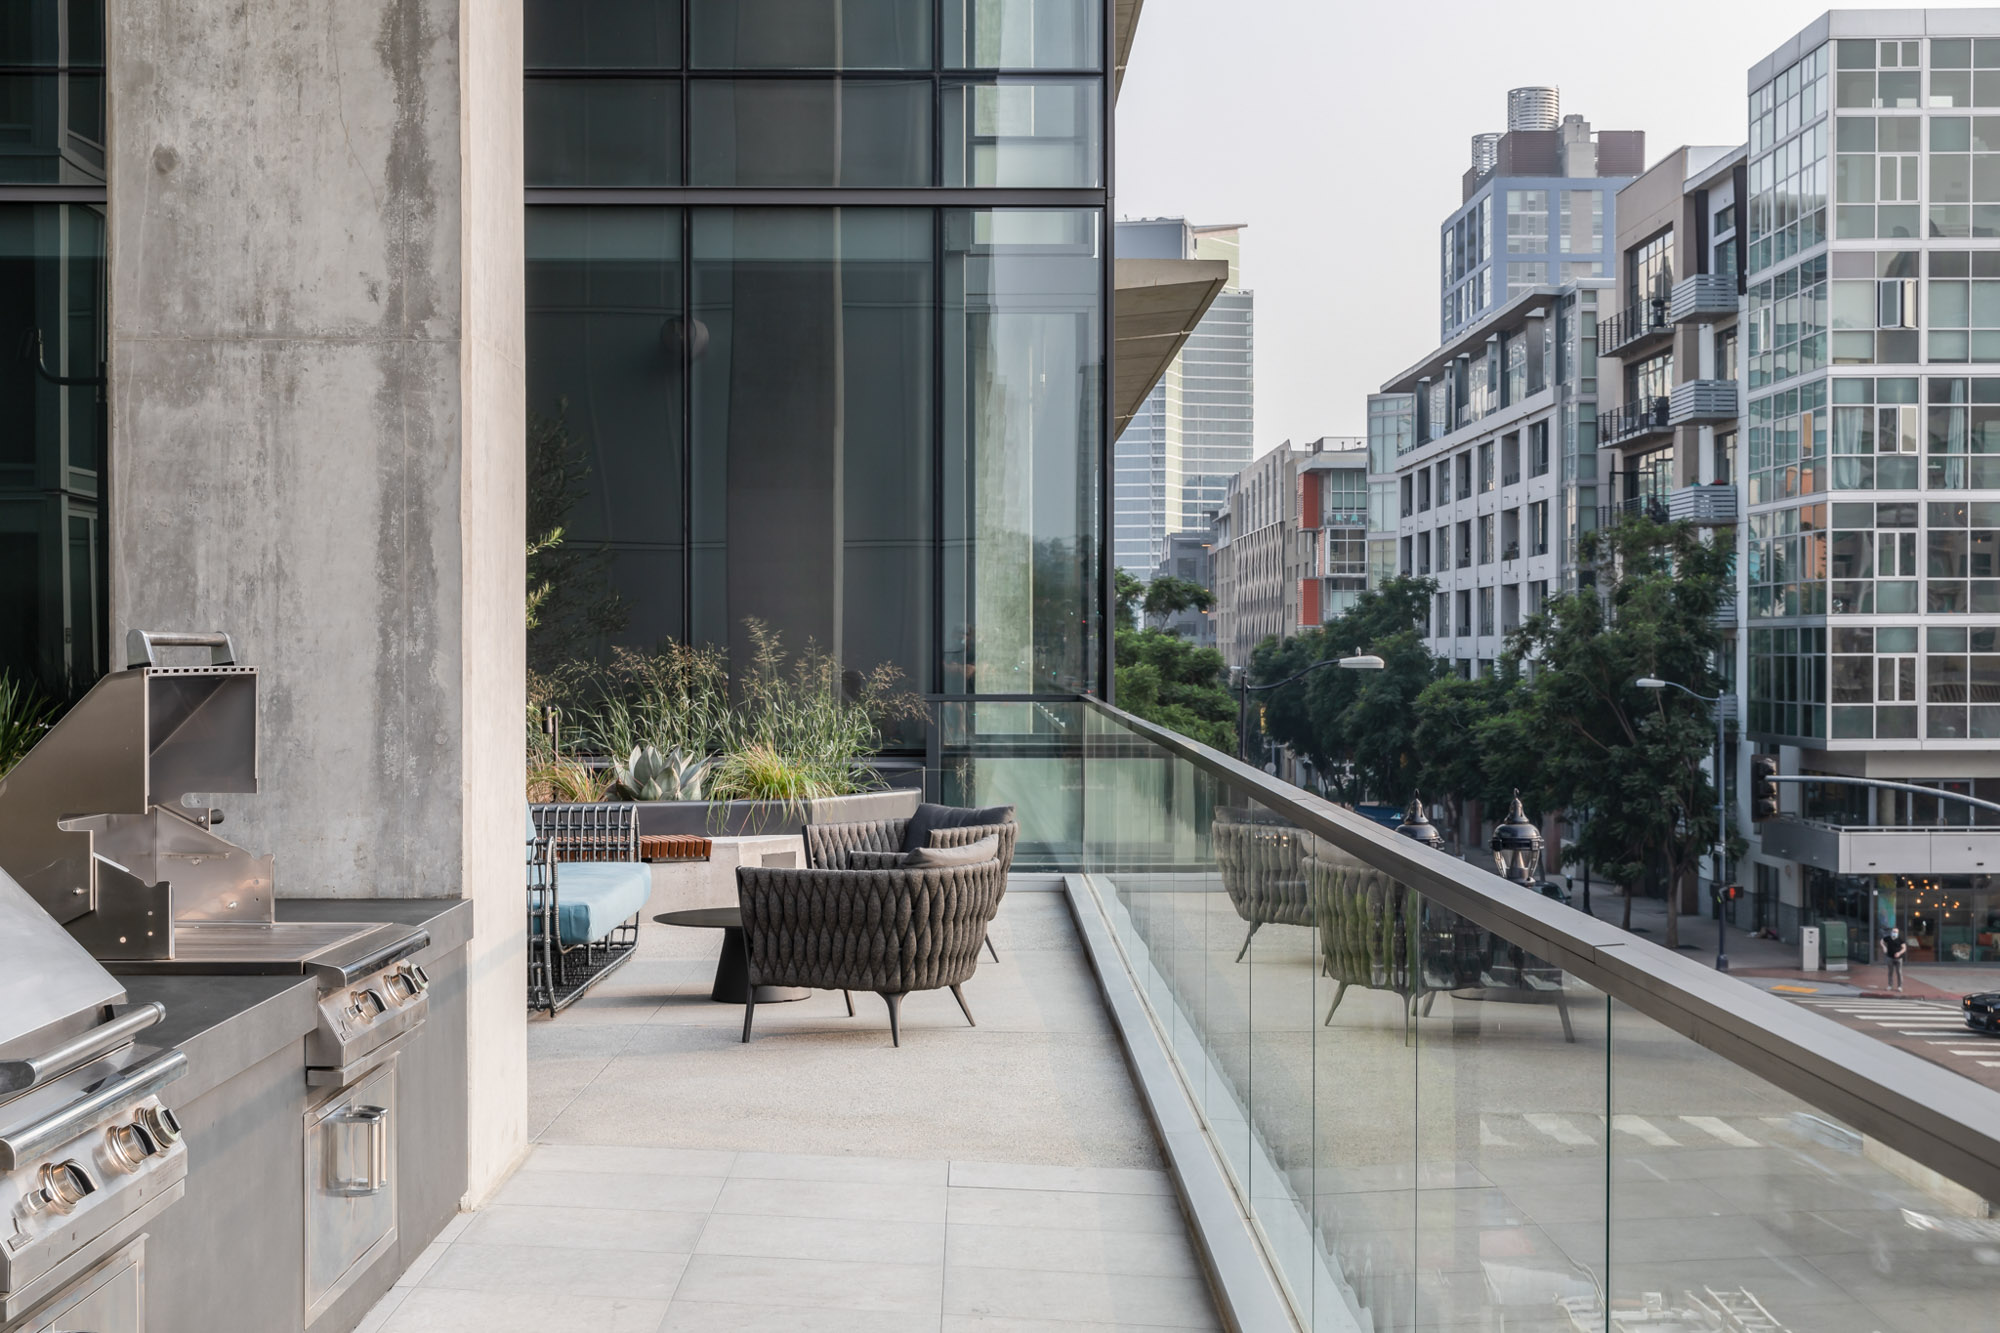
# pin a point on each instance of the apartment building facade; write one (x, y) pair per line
(1290, 548)
(1492, 442)
(1537, 208)
(1190, 558)
(1871, 364)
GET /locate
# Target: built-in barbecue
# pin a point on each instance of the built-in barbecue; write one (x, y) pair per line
(106, 823)
(88, 1153)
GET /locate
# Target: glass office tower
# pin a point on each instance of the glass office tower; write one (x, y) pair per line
(817, 295)
(53, 465)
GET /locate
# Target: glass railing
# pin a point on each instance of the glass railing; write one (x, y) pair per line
(1449, 1104)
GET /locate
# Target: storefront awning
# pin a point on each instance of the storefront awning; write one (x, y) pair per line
(1159, 303)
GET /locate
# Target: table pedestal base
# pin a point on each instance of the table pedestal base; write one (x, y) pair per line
(732, 976)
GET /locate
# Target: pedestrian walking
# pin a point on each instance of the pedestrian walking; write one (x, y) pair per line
(1894, 946)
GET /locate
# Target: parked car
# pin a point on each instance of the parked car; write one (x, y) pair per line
(1982, 1011)
(1549, 888)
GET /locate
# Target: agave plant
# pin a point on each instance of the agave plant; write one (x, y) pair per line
(645, 774)
(25, 714)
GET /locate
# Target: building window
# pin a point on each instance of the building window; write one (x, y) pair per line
(1538, 528)
(1486, 610)
(1527, 222)
(1465, 610)
(1649, 267)
(1580, 230)
(1465, 544)
(1538, 449)
(1486, 466)
(1423, 490)
(1464, 465)
(54, 451)
(1962, 557)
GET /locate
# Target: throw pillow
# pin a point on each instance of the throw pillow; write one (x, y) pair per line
(917, 833)
(972, 854)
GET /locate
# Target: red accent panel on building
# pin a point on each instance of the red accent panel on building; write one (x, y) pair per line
(1309, 506)
(1309, 602)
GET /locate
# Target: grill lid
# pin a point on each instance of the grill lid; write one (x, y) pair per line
(50, 986)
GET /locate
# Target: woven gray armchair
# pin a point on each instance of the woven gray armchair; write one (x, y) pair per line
(891, 931)
(877, 844)
(1260, 861)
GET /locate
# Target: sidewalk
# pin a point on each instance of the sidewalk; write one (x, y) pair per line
(1761, 961)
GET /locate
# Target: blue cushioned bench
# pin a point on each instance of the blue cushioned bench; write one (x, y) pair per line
(586, 888)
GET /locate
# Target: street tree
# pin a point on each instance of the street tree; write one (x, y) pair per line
(1633, 757)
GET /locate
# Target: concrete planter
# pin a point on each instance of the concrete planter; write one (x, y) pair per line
(736, 819)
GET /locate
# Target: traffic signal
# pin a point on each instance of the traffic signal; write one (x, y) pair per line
(1730, 893)
(1763, 787)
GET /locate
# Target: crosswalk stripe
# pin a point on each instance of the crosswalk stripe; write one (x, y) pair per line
(1991, 1064)
(1711, 1125)
(1489, 1139)
(1640, 1127)
(1558, 1129)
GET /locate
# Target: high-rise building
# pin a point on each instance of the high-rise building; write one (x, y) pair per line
(1484, 454)
(1196, 428)
(1536, 208)
(1871, 472)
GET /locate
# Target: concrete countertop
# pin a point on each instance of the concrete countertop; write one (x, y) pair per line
(224, 1024)
(449, 920)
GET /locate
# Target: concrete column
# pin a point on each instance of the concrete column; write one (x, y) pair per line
(317, 439)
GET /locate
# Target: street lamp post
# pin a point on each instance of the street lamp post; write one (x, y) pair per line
(1721, 812)
(1358, 661)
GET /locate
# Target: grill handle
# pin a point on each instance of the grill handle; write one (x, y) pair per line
(140, 643)
(373, 1178)
(21, 1075)
(24, 1143)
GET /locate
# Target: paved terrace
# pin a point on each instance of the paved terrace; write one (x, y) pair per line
(997, 1179)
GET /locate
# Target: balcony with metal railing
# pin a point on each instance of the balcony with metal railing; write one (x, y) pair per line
(1708, 506)
(1633, 422)
(1703, 299)
(1700, 402)
(1637, 327)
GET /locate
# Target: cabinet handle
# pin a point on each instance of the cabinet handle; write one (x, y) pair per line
(373, 1177)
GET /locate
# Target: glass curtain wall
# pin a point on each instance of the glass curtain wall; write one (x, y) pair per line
(876, 423)
(53, 385)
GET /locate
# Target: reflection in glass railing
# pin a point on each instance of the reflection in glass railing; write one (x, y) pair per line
(1434, 1129)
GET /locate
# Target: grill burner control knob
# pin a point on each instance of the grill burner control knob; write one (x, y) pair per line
(161, 1125)
(367, 1005)
(130, 1145)
(420, 978)
(65, 1185)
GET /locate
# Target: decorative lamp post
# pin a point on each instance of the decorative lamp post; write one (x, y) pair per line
(1517, 846)
(1720, 702)
(1416, 825)
(1357, 661)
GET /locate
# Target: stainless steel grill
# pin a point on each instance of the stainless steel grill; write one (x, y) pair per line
(88, 1153)
(106, 823)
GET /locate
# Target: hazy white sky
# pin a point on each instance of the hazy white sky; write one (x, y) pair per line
(1339, 129)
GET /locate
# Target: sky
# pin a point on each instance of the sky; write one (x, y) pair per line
(1339, 131)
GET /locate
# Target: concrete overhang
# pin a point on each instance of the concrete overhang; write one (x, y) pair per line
(1126, 22)
(1159, 303)
(1885, 851)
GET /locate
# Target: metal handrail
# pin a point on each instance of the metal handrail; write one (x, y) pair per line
(1922, 1110)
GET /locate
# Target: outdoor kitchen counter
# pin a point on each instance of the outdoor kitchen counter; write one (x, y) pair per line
(224, 1025)
(449, 920)
(232, 1254)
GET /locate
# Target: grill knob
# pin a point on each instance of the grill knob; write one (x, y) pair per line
(66, 1184)
(160, 1124)
(131, 1145)
(420, 978)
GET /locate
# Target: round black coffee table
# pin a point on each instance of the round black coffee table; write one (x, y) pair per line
(732, 969)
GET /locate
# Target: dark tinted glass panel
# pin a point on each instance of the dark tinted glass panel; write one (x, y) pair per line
(53, 424)
(810, 34)
(1022, 134)
(603, 34)
(774, 132)
(1022, 34)
(1023, 413)
(813, 432)
(607, 349)
(52, 128)
(603, 132)
(52, 32)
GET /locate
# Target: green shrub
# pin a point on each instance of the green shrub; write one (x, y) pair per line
(26, 714)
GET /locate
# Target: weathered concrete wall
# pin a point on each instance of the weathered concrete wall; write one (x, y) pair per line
(317, 411)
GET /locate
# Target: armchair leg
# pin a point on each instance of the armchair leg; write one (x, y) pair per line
(1246, 940)
(749, 1012)
(848, 996)
(964, 1008)
(990, 949)
(894, 999)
